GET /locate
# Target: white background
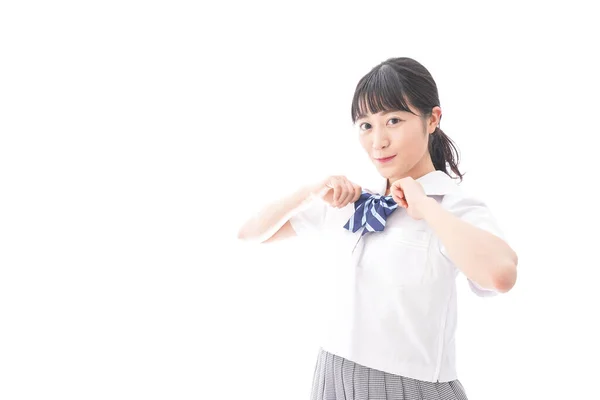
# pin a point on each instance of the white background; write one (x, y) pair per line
(136, 137)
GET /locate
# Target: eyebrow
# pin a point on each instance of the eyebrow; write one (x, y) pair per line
(361, 116)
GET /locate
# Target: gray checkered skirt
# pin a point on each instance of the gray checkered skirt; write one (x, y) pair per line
(336, 378)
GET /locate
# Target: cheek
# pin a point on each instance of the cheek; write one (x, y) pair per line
(364, 142)
(403, 141)
(410, 144)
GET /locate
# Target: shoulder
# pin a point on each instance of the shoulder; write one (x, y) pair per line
(460, 199)
(450, 192)
(471, 208)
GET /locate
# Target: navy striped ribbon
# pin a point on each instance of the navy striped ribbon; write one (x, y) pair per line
(370, 212)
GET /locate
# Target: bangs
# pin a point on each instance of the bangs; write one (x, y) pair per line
(379, 90)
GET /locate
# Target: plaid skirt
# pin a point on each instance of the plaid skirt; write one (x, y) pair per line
(336, 378)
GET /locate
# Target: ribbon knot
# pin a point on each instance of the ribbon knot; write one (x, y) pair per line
(370, 212)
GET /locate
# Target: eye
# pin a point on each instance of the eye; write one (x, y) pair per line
(395, 119)
(366, 126)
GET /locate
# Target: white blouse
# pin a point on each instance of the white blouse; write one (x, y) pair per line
(395, 290)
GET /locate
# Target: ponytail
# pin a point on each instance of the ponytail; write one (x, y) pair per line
(444, 153)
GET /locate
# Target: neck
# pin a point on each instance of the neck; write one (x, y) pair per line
(422, 168)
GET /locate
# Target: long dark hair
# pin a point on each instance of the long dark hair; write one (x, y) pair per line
(393, 84)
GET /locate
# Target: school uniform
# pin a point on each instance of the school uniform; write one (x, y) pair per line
(390, 329)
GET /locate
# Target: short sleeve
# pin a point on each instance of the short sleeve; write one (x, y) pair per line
(477, 213)
(309, 218)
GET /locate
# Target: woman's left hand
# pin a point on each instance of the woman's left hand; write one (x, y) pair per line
(409, 193)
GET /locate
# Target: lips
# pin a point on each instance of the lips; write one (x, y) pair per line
(384, 159)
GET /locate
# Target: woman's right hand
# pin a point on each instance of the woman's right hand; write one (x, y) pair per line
(338, 191)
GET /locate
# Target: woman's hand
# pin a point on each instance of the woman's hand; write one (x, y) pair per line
(409, 193)
(338, 191)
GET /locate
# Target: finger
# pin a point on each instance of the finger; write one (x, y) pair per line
(357, 193)
(354, 192)
(348, 193)
(398, 197)
(337, 192)
(404, 202)
(401, 202)
(398, 192)
(327, 193)
(342, 194)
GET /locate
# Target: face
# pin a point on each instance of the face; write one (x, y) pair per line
(397, 142)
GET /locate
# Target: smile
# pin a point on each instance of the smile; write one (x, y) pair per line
(384, 160)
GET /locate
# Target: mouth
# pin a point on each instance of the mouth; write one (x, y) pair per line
(385, 159)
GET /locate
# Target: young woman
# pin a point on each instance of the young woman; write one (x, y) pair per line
(399, 246)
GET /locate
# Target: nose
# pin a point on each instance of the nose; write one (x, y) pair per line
(380, 139)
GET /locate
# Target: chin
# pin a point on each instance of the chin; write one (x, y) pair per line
(385, 172)
(389, 172)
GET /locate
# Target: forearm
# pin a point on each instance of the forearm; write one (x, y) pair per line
(481, 256)
(272, 217)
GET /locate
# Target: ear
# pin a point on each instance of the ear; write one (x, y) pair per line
(434, 119)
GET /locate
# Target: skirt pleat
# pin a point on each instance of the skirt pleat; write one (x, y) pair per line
(336, 378)
(348, 375)
(329, 391)
(339, 379)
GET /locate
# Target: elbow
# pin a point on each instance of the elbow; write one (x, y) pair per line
(247, 236)
(243, 234)
(506, 276)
